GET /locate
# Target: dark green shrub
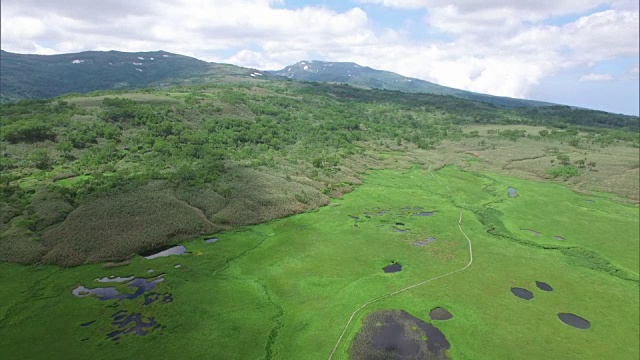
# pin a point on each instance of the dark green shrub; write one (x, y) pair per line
(563, 171)
(32, 130)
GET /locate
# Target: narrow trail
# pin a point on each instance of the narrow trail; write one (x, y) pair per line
(411, 286)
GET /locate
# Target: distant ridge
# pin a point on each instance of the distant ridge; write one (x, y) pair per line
(27, 76)
(354, 74)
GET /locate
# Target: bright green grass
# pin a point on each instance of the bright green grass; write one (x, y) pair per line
(604, 226)
(73, 181)
(285, 289)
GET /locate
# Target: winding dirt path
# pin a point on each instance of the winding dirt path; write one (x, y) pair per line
(411, 286)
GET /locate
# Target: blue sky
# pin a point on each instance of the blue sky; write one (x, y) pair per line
(582, 53)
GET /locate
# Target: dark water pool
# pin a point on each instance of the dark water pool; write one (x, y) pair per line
(395, 334)
(131, 323)
(440, 313)
(574, 320)
(522, 293)
(153, 297)
(543, 286)
(395, 267)
(425, 213)
(425, 242)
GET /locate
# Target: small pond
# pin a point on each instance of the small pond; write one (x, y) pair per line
(522, 293)
(574, 320)
(141, 285)
(533, 232)
(114, 279)
(395, 334)
(440, 313)
(128, 323)
(395, 267)
(153, 297)
(174, 250)
(425, 242)
(543, 286)
(425, 213)
(109, 293)
(512, 192)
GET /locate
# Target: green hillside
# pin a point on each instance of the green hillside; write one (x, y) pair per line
(25, 76)
(138, 170)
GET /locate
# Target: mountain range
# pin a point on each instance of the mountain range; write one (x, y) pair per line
(27, 76)
(354, 74)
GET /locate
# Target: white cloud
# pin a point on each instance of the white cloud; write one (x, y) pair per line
(527, 9)
(501, 47)
(633, 72)
(596, 77)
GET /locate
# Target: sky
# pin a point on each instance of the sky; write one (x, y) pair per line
(577, 52)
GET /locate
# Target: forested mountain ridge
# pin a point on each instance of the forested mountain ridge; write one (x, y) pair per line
(26, 76)
(354, 74)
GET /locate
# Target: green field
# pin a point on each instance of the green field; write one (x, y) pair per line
(285, 289)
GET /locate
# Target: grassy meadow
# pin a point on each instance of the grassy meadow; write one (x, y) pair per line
(286, 288)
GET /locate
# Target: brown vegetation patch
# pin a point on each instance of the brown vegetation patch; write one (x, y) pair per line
(114, 227)
(253, 197)
(21, 246)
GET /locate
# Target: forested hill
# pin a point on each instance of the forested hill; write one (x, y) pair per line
(24, 76)
(354, 74)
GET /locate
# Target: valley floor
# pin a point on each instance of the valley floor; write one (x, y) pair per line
(286, 289)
